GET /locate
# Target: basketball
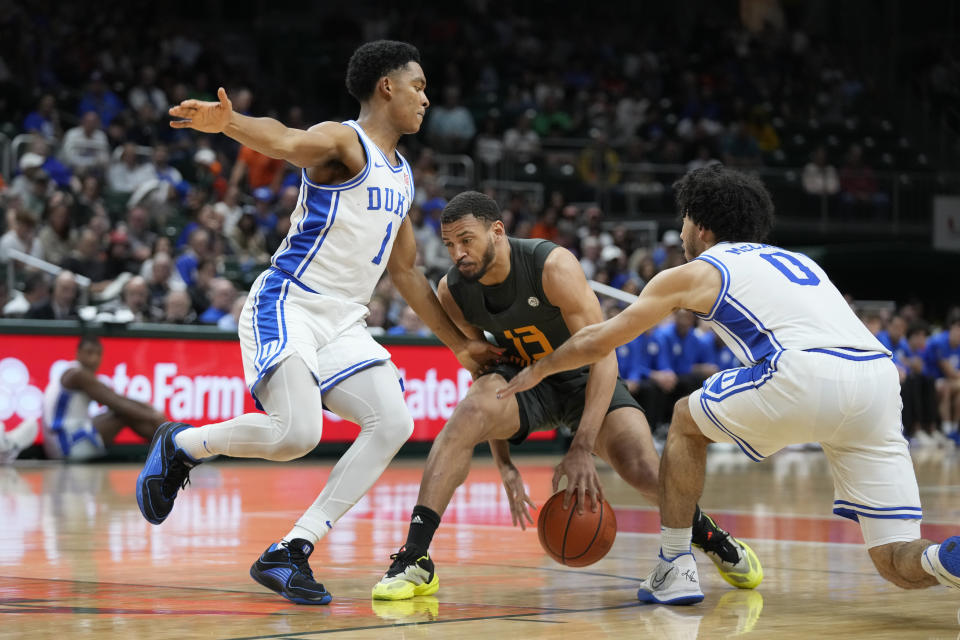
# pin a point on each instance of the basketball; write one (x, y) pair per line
(573, 539)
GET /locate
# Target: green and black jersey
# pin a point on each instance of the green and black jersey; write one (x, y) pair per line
(522, 321)
(516, 311)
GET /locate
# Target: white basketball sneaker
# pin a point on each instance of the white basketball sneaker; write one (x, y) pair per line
(943, 561)
(673, 581)
(17, 439)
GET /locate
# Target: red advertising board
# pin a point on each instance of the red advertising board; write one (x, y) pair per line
(200, 381)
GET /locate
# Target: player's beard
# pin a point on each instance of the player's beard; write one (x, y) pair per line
(485, 263)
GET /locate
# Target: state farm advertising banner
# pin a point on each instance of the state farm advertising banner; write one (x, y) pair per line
(200, 381)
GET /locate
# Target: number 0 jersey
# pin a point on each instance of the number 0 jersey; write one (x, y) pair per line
(772, 300)
(341, 235)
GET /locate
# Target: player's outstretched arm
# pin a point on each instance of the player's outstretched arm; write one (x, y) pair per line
(693, 286)
(321, 144)
(520, 502)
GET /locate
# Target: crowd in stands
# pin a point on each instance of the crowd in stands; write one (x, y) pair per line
(167, 225)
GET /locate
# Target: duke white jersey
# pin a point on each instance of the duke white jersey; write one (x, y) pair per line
(341, 235)
(66, 413)
(772, 300)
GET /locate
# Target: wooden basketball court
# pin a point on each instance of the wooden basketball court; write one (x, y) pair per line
(78, 560)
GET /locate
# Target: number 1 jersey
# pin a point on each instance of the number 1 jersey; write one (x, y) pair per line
(341, 235)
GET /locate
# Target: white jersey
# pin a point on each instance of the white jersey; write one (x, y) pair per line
(341, 235)
(66, 415)
(772, 300)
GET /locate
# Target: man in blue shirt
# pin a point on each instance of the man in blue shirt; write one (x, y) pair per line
(917, 389)
(943, 363)
(686, 355)
(645, 368)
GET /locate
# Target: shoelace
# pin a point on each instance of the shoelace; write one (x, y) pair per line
(401, 560)
(299, 559)
(177, 478)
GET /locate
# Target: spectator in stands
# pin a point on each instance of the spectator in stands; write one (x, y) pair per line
(119, 259)
(819, 176)
(203, 275)
(248, 242)
(222, 296)
(598, 164)
(685, 354)
(253, 170)
(88, 259)
(230, 321)
(60, 175)
(178, 308)
(264, 212)
(521, 143)
(739, 148)
(859, 190)
(134, 304)
(590, 256)
(44, 121)
(918, 389)
(62, 304)
(198, 245)
(943, 364)
(162, 280)
(488, 147)
(410, 324)
(450, 127)
(127, 173)
(22, 236)
(645, 368)
(85, 147)
(552, 120)
(146, 91)
(99, 99)
(33, 186)
(165, 172)
(377, 318)
(57, 236)
(36, 291)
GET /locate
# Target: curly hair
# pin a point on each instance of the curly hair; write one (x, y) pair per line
(372, 61)
(479, 205)
(734, 205)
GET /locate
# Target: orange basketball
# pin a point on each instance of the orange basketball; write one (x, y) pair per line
(572, 539)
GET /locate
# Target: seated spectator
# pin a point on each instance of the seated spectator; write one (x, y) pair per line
(22, 237)
(162, 279)
(203, 275)
(918, 389)
(146, 91)
(119, 258)
(127, 173)
(62, 304)
(410, 325)
(231, 321)
(264, 213)
(134, 304)
(377, 318)
(253, 170)
(248, 243)
(645, 369)
(859, 189)
(943, 364)
(685, 354)
(521, 142)
(178, 308)
(33, 186)
(99, 99)
(36, 291)
(85, 147)
(45, 120)
(222, 296)
(820, 177)
(450, 126)
(88, 259)
(198, 244)
(599, 163)
(740, 149)
(57, 236)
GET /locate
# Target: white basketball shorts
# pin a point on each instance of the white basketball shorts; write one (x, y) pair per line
(282, 318)
(849, 402)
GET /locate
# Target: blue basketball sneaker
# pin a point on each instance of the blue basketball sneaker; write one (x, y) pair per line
(943, 561)
(283, 568)
(166, 471)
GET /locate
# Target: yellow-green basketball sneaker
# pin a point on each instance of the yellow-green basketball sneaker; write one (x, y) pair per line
(411, 574)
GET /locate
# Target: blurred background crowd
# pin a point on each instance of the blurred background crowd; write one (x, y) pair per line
(109, 214)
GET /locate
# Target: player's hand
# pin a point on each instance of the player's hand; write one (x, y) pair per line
(582, 478)
(520, 502)
(528, 378)
(477, 354)
(665, 379)
(209, 117)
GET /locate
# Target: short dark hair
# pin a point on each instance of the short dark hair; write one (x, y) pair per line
(734, 205)
(89, 339)
(471, 203)
(918, 326)
(372, 61)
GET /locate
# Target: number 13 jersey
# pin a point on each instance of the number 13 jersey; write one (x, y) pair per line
(772, 300)
(341, 235)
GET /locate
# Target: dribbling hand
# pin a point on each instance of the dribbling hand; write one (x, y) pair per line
(520, 502)
(582, 479)
(209, 117)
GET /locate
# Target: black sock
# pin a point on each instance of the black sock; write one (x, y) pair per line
(700, 527)
(423, 524)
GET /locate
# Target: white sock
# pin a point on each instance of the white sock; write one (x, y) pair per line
(193, 442)
(674, 542)
(306, 534)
